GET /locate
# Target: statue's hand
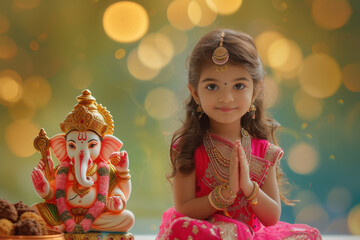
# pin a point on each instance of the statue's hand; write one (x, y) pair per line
(115, 203)
(120, 160)
(41, 185)
(41, 165)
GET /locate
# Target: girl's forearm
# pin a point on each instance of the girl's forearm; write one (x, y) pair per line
(267, 210)
(198, 208)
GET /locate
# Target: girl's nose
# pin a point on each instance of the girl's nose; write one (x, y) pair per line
(226, 97)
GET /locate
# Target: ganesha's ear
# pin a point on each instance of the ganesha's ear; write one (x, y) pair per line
(58, 145)
(109, 145)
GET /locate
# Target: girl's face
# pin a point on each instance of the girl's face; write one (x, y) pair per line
(224, 96)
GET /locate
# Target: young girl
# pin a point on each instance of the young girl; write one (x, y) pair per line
(226, 173)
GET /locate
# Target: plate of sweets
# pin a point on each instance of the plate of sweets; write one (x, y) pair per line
(18, 221)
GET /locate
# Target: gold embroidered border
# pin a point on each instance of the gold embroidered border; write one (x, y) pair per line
(273, 153)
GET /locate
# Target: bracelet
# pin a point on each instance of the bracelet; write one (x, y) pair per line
(252, 198)
(218, 201)
(124, 175)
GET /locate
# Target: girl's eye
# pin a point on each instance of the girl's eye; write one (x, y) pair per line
(211, 87)
(239, 86)
(72, 146)
(92, 145)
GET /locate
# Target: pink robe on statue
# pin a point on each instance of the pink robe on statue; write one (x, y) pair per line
(242, 223)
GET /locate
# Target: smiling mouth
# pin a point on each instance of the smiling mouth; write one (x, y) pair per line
(224, 109)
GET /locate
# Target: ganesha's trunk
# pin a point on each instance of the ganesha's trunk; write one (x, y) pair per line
(81, 165)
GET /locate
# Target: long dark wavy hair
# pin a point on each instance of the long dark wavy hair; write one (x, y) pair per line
(242, 51)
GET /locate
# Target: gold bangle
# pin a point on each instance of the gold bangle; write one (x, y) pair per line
(252, 198)
(210, 197)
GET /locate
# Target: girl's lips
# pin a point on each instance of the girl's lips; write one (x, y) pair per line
(223, 109)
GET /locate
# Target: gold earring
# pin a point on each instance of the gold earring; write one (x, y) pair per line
(252, 111)
(200, 111)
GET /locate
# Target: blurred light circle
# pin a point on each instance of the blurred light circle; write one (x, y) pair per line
(200, 13)
(331, 14)
(313, 215)
(38, 90)
(307, 107)
(4, 24)
(8, 48)
(303, 158)
(279, 5)
(305, 197)
(178, 38)
(19, 137)
(338, 200)
(138, 70)
(125, 21)
(338, 226)
(350, 75)
(81, 77)
(160, 103)
(278, 53)
(34, 45)
(140, 120)
(290, 68)
(264, 41)
(23, 109)
(224, 7)
(194, 12)
(155, 51)
(10, 90)
(25, 4)
(177, 14)
(320, 76)
(354, 220)
(120, 53)
(271, 92)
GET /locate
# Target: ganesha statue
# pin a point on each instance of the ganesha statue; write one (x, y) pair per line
(89, 189)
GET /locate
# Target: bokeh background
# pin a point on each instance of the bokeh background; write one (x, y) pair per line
(132, 54)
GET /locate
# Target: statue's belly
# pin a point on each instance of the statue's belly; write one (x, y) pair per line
(86, 201)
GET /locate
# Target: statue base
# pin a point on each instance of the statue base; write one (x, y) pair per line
(99, 236)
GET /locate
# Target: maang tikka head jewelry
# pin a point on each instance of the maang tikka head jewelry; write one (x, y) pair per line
(221, 55)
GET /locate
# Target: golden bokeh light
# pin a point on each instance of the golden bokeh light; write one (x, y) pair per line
(10, 87)
(178, 38)
(320, 75)
(120, 53)
(10, 90)
(313, 215)
(155, 51)
(279, 5)
(350, 77)
(138, 70)
(285, 57)
(194, 12)
(23, 109)
(331, 14)
(8, 48)
(125, 21)
(339, 200)
(271, 92)
(354, 220)
(264, 41)
(224, 7)
(177, 14)
(140, 120)
(303, 158)
(19, 137)
(25, 4)
(160, 103)
(307, 107)
(81, 77)
(38, 90)
(200, 13)
(4, 24)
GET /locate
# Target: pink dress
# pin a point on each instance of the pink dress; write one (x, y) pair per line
(238, 221)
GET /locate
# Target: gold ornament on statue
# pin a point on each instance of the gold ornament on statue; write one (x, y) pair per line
(221, 55)
(88, 115)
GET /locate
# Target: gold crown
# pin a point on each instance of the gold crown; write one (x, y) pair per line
(88, 115)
